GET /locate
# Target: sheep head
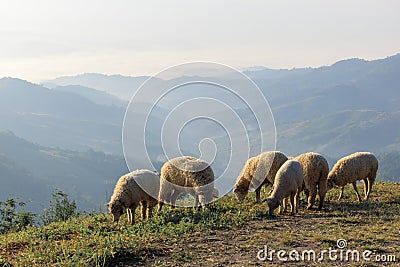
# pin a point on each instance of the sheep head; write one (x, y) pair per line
(115, 208)
(240, 193)
(272, 204)
(241, 188)
(330, 184)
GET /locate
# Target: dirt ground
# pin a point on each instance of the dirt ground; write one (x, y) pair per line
(239, 247)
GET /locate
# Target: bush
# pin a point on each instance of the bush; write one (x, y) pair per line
(60, 209)
(11, 219)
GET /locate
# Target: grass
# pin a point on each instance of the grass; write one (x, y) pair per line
(227, 233)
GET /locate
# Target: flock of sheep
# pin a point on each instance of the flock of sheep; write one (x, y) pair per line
(308, 172)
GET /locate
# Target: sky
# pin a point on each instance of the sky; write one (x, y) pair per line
(45, 39)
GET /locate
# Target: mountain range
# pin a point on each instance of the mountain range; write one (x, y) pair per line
(67, 123)
(333, 110)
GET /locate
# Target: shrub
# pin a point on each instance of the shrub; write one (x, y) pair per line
(60, 209)
(11, 219)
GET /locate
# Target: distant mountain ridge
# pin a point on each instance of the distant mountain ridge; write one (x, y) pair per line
(96, 96)
(118, 85)
(59, 118)
(306, 96)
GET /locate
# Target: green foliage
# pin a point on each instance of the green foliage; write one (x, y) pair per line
(182, 236)
(13, 220)
(60, 209)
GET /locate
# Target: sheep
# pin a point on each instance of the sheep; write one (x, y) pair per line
(315, 172)
(288, 184)
(259, 170)
(129, 192)
(186, 175)
(349, 169)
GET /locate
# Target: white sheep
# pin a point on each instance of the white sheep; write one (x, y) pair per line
(186, 175)
(315, 172)
(288, 184)
(129, 192)
(357, 166)
(259, 170)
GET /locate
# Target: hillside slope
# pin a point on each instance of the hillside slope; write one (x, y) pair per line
(227, 234)
(343, 132)
(32, 171)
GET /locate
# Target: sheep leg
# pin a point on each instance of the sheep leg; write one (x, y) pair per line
(306, 192)
(292, 203)
(258, 194)
(128, 213)
(144, 208)
(199, 199)
(355, 188)
(365, 180)
(297, 199)
(321, 192)
(341, 193)
(282, 206)
(160, 204)
(202, 200)
(370, 184)
(174, 197)
(149, 212)
(132, 210)
(311, 198)
(163, 195)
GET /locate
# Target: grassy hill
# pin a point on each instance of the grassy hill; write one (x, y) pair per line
(228, 233)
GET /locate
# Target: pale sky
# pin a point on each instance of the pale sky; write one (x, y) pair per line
(44, 39)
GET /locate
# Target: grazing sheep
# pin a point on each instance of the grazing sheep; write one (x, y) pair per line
(186, 175)
(315, 171)
(128, 194)
(357, 166)
(259, 170)
(288, 184)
